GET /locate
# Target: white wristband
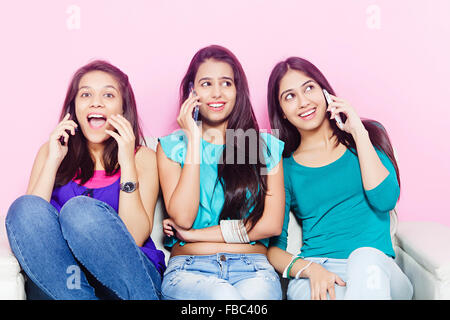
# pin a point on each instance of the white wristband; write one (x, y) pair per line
(226, 233)
(234, 231)
(297, 276)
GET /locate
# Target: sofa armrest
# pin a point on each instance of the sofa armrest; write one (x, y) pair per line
(428, 243)
(423, 253)
(12, 282)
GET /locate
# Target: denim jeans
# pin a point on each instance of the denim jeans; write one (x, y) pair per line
(221, 276)
(59, 252)
(369, 275)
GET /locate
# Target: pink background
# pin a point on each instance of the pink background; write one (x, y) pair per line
(397, 73)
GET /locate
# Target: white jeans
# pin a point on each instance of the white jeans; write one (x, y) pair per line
(368, 273)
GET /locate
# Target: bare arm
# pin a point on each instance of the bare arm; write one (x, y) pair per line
(49, 158)
(280, 259)
(321, 280)
(136, 209)
(43, 175)
(181, 186)
(373, 172)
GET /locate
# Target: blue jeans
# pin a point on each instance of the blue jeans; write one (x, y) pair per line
(221, 276)
(57, 249)
(369, 274)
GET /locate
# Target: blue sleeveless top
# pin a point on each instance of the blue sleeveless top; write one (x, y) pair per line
(110, 195)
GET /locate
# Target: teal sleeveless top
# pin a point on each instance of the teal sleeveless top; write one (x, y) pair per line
(212, 196)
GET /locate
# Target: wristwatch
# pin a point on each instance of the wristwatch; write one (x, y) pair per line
(129, 186)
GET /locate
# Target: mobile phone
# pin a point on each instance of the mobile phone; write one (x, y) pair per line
(61, 139)
(195, 112)
(337, 116)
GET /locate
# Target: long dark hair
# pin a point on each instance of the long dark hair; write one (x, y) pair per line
(289, 133)
(237, 179)
(78, 163)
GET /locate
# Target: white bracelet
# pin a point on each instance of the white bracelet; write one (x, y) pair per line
(230, 231)
(297, 276)
(225, 229)
(243, 232)
(285, 269)
(234, 231)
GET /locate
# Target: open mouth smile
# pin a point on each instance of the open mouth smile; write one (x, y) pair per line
(96, 120)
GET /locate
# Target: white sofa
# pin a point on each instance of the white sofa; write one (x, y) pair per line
(12, 283)
(422, 252)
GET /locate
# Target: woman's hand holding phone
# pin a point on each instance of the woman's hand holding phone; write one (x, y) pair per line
(185, 119)
(59, 139)
(353, 123)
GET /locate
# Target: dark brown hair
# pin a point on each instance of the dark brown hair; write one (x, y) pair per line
(78, 162)
(239, 180)
(289, 133)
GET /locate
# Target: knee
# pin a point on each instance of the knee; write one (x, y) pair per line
(368, 275)
(81, 215)
(366, 256)
(29, 214)
(363, 262)
(268, 284)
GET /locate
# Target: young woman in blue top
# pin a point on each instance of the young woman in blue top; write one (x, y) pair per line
(341, 184)
(211, 177)
(83, 229)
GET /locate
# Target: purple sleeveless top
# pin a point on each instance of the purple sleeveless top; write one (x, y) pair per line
(106, 189)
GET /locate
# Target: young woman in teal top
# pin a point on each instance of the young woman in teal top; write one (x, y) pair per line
(222, 183)
(341, 183)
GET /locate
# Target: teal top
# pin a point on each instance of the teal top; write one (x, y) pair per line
(212, 196)
(337, 215)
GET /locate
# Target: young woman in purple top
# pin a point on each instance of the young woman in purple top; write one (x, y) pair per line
(82, 231)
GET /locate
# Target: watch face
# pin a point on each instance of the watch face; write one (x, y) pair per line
(128, 187)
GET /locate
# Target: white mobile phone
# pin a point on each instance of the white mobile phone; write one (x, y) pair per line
(337, 116)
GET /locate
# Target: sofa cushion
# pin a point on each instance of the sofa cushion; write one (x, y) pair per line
(11, 280)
